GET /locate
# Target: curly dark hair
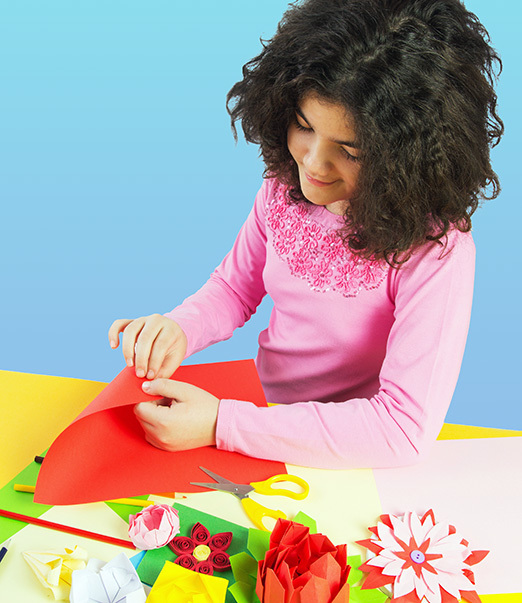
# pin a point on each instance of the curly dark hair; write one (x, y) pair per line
(417, 77)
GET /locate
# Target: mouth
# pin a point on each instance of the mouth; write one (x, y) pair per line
(316, 182)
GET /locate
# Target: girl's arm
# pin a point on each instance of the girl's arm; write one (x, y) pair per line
(417, 380)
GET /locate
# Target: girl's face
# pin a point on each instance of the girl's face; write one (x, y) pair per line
(322, 142)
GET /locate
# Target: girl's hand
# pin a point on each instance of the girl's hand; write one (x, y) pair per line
(154, 344)
(185, 418)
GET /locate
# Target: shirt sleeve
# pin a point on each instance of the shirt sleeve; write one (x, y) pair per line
(432, 294)
(234, 290)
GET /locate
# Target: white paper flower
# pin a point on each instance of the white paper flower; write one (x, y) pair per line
(422, 559)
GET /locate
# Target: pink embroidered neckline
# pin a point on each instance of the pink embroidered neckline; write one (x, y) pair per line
(316, 253)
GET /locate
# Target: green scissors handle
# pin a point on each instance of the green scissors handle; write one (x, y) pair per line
(257, 512)
(265, 487)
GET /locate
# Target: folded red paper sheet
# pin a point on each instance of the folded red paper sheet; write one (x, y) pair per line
(103, 454)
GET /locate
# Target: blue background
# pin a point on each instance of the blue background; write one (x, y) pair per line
(121, 187)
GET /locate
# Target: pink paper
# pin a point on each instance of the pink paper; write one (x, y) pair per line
(475, 485)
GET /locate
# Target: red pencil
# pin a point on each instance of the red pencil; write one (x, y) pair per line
(69, 529)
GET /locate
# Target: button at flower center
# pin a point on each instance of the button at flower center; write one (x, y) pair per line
(417, 556)
(201, 552)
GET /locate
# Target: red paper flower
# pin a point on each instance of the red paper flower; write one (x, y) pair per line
(422, 559)
(302, 567)
(202, 552)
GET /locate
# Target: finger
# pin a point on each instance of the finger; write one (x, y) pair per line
(115, 329)
(130, 336)
(171, 362)
(144, 345)
(153, 413)
(158, 354)
(175, 390)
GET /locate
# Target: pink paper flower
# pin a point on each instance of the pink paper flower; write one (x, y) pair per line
(421, 559)
(153, 527)
(202, 552)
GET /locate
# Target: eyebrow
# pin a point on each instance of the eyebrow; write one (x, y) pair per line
(345, 143)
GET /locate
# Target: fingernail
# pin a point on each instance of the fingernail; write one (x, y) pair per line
(150, 375)
(113, 343)
(129, 362)
(140, 373)
(146, 385)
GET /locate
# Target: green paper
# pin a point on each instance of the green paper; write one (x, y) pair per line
(355, 574)
(19, 502)
(125, 510)
(373, 595)
(242, 592)
(154, 560)
(244, 567)
(258, 543)
(307, 521)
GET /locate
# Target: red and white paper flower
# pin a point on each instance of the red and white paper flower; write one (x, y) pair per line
(424, 561)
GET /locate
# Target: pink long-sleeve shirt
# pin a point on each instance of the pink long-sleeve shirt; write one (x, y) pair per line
(361, 358)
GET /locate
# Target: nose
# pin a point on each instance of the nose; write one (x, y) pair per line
(316, 161)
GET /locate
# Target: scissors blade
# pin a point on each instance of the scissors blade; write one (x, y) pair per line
(237, 489)
(218, 478)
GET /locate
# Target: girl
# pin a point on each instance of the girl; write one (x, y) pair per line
(375, 120)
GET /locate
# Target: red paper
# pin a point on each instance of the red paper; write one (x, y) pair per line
(103, 454)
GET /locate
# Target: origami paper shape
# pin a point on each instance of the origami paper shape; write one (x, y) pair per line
(202, 552)
(302, 567)
(54, 568)
(421, 559)
(154, 560)
(103, 454)
(245, 567)
(176, 584)
(153, 527)
(102, 582)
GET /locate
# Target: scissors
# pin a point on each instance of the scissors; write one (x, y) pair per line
(253, 509)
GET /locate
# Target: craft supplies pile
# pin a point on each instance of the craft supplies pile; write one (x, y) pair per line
(410, 559)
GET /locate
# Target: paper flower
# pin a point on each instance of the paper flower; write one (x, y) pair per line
(423, 560)
(202, 552)
(153, 527)
(54, 568)
(176, 584)
(302, 567)
(244, 566)
(104, 582)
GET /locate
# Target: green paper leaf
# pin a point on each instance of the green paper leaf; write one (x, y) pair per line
(307, 521)
(242, 592)
(258, 543)
(373, 595)
(244, 567)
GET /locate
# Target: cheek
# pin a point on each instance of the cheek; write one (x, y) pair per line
(296, 146)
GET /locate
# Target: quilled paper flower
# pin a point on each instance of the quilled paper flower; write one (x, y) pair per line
(424, 561)
(202, 552)
(153, 527)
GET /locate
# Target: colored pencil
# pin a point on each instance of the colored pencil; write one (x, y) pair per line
(68, 529)
(3, 550)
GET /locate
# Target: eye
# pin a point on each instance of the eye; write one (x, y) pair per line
(348, 155)
(300, 126)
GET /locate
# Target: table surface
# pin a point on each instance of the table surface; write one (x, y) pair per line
(36, 408)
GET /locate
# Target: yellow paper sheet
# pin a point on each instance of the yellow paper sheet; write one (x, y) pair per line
(35, 409)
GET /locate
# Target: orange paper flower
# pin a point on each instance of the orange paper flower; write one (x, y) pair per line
(302, 567)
